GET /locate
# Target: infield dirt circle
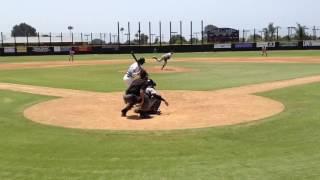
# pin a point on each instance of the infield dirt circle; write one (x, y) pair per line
(187, 109)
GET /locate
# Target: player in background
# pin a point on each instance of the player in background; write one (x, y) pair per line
(134, 70)
(264, 50)
(71, 54)
(164, 58)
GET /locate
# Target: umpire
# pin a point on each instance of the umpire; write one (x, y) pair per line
(136, 94)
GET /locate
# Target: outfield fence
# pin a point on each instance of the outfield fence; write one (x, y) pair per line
(159, 38)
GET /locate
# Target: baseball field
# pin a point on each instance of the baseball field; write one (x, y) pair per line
(232, 115)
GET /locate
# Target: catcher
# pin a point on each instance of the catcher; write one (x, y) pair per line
(154, 98)
(164, 58)
(134, 70)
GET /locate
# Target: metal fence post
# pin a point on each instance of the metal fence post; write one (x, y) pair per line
(243, 35)
(170, 33)
(50, 38)
(38, 39)
(72, 38)
(61, 37)
(181, 33)
(118, 35)
(202, 32)
(2, 39)
(150, 33)
(139, 32)
(91, 37)
(160, 35)
(27, 36)
(101, 39)
(191, 33)
(129, 33)
(15, 40)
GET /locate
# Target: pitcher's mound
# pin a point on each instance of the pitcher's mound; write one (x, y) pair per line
(168, 69)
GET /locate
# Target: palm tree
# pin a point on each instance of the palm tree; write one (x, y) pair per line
(269, 32)
(300, 32)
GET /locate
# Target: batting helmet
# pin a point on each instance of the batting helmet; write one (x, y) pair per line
(141, 60)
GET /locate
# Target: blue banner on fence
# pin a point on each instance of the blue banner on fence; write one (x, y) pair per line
(311, 43)
(289, 44)
(222, 46)
(65, 48)
(243, 45)
(9, 50)
(41, 49)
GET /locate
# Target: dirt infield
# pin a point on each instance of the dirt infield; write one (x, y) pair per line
(193, 109)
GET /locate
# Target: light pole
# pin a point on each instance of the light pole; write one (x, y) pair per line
(261, 34)
(121, 30)
(151, 37)
(172, 35)
(278, 27)
(315, 32)
(70, 28)
(87, 37)
(243, 34)
(126, 34)
(114, 38)
(290, 32)
(304, 29)
(196, 34)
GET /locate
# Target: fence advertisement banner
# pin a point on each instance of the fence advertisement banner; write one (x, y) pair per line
(311, 43)
(22, 49)
(266, 44)
(41, 49)
(110, 47)
(9, 50)
(65, 48)
(57, 49)
(222, 46)
(243, 45)
(84, 49)
(288, 44)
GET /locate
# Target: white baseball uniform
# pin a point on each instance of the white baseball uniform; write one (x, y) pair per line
(166, 56)
(132, 73)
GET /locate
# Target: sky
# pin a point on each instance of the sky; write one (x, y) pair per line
(103, 15)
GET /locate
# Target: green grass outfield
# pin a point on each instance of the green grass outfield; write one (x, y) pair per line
(285, 146)
(297, 53)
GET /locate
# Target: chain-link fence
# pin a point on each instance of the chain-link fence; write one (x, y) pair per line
(178, 33)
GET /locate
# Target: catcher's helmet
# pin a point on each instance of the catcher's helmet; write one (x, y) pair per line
(141, 60)
(151, 83)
